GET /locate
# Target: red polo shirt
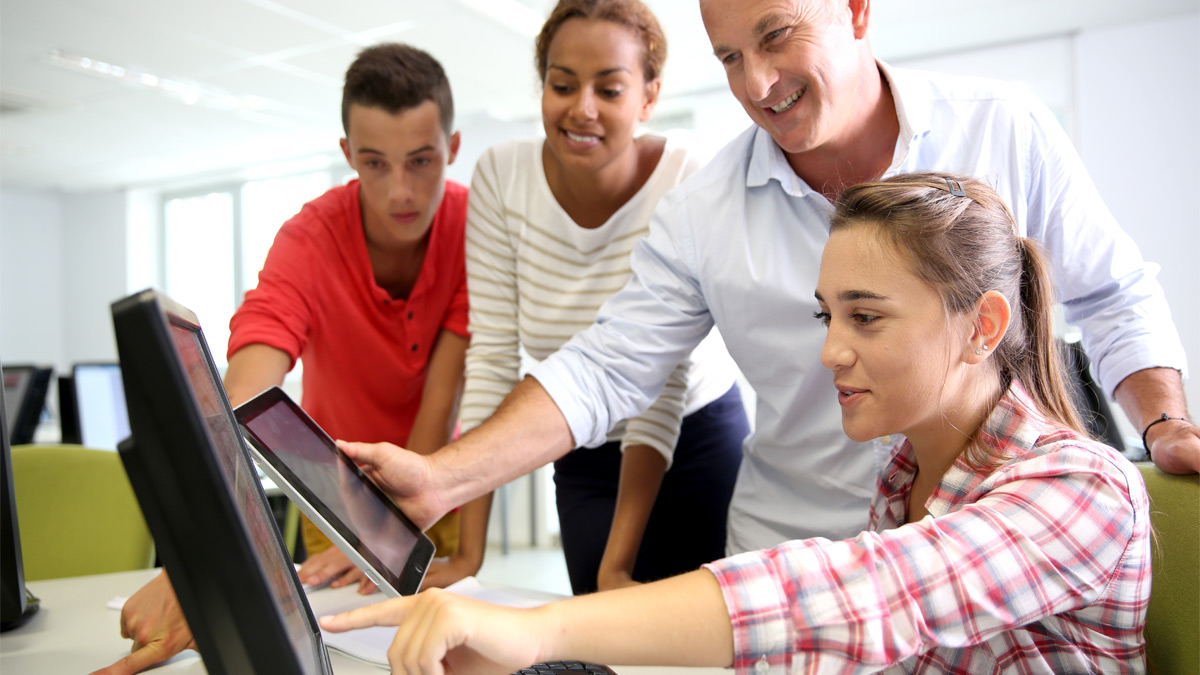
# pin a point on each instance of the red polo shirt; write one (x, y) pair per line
(365, 354)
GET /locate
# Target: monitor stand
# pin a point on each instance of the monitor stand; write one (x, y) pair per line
(31, 607)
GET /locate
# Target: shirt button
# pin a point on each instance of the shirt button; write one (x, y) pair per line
(414, 348)
(410, 316)
(761, 666)
(886, 440)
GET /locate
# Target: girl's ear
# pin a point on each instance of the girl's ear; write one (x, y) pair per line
(992, 318)
(653, 88)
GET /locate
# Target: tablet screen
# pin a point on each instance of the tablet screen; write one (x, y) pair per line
(365, 517)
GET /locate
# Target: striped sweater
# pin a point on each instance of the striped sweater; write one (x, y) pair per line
(536, 278)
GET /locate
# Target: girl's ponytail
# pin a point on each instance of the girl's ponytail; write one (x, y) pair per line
(1040, 366)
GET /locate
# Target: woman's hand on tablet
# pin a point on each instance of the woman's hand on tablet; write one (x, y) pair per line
(332, 566)
(441, 632)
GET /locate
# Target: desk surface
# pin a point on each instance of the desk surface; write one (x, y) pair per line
(74, 632)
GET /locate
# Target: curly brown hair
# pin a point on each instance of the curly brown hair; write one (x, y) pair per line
(629, 13)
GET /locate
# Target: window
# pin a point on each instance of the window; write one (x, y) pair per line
(198, 238)
(267, 204)
(216, 240)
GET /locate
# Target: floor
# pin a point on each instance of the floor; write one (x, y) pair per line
(542, 569)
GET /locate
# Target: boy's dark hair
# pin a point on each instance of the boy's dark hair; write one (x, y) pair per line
(397, 77)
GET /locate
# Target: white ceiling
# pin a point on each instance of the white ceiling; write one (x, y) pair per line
(70, 130)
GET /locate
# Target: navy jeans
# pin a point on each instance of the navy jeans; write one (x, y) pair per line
(687, 524)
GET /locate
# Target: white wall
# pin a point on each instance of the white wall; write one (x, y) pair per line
(94, 266)
(480, 134)
(62, 262)
(1137, 129)
(1046, 66)
(31, 278)
(143, 239)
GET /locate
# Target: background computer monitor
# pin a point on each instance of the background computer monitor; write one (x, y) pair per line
(16, 605)
(95, 406)
(25, 391)
(203, 502)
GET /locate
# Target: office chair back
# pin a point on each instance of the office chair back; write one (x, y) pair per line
(1173, 619)
(77, 513)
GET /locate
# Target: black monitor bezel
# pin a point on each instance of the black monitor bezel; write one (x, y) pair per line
(68, 414)
(17, 605)
(204, 544)
(32, 403)
(409, 580)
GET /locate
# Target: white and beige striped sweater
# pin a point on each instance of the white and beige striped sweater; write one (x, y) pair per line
(536, 278)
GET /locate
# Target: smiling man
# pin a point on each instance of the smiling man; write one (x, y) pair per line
(367, 284)
(738, 244)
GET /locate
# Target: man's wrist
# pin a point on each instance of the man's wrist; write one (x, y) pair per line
(1157, 426)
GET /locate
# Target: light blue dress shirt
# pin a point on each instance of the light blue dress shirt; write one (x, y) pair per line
(738, 245)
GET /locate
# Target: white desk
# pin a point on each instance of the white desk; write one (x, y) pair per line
(74, 632)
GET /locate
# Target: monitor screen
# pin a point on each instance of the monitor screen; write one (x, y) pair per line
(100, 405)
(203, 501)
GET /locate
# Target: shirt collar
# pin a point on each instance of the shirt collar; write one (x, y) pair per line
(913, 109)
(767, 162)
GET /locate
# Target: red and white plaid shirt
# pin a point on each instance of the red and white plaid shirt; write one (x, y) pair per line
(1039, 566)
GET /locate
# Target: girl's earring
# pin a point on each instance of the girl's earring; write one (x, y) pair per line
(980, 351)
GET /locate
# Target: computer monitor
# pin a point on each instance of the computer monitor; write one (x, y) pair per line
(17, 605)
(98, 401)
(203, 502)
(25, 390)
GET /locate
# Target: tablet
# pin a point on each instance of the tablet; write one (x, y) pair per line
(329, 488)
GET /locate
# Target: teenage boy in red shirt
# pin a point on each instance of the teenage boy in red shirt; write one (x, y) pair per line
(368, 285)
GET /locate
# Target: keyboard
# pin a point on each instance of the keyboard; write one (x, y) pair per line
(565, 668)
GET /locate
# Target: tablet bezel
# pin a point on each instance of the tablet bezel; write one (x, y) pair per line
(409, 580)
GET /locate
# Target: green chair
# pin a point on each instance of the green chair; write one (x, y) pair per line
(77, 513)
(1173, 619)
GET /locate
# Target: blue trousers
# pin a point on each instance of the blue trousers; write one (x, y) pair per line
(686, 526)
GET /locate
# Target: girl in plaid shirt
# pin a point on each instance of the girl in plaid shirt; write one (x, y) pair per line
(1002, 539)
